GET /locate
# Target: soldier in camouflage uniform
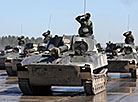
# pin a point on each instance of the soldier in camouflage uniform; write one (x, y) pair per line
(86, 28)
(47, 36)
(129, 37)
(21, 41)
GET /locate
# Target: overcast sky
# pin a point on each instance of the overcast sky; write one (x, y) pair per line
(110, 17)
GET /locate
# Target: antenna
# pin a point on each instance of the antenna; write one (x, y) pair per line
(84, 6)
(109, 36)
(49, 24)
(128, 22)
(21, 28)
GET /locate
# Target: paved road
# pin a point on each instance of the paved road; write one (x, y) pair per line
(118, 90)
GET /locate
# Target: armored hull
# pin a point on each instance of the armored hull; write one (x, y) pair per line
(11, 66)
(3, 59)
(2, 62)
(125, 61)
(15, 58)
(88, 70)
(11, 62)
(123, 66)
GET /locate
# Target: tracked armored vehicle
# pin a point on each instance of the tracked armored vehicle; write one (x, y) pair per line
(12, 60)
(122, 58)
(4, 54)
(76, 62)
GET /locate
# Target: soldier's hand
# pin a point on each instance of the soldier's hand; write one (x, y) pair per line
(82, 15)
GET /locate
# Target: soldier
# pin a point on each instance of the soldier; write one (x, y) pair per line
(86, 28)
(47, 36)
(21, 40)
(129, 37)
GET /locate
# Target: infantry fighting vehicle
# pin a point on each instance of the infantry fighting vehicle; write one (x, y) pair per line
(122, 58)
(5, 53)
(12, 60)
(74, 62)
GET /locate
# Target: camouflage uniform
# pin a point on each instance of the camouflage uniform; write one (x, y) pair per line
(86, 28)
(47, 36)
(129, 37)
(21, 41)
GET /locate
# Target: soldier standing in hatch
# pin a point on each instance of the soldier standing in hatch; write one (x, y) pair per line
(21, 40)
(86, 28)
(47, 36)
(129, 37)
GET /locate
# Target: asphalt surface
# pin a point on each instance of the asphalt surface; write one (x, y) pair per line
(118, 90)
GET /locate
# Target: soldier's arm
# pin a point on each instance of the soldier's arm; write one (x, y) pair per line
(79, 19)
(44, 34)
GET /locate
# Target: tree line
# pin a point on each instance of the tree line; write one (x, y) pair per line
(12, 41)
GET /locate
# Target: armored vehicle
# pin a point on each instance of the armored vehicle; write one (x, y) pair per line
(4, 54)
(2, 62)
(73, 61)
(12, 60)
(10, 63)
(122, 58)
